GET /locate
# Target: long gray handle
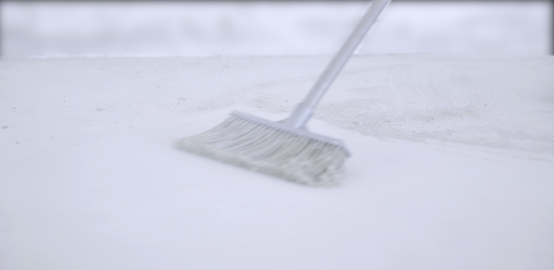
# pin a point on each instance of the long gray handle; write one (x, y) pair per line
(304, 110)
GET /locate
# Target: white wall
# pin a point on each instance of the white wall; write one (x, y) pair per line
(53, 29)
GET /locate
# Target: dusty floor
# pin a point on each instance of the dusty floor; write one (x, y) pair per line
(452, 166)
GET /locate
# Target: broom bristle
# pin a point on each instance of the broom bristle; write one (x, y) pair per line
(265, 148)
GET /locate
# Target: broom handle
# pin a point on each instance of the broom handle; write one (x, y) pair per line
(303, 111)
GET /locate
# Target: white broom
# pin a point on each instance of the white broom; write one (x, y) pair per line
(286, 148)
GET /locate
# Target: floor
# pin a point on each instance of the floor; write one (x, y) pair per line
(451, 167)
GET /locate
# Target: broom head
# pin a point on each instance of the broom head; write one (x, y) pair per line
(273, 148)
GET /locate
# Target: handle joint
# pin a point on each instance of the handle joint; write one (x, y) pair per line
(299, 116)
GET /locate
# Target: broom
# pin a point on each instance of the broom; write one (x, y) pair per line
(286, 148)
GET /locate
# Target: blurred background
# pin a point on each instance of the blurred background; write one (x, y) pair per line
(211, 28)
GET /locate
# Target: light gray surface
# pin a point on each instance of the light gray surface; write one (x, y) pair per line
(451, 168)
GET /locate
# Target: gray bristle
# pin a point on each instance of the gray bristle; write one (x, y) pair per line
(270, 150)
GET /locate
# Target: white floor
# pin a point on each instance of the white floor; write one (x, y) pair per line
(452, 166)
